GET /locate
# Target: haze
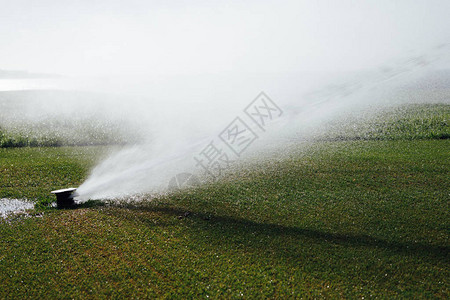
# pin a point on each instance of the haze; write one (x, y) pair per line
(154, 38)
(185, 69)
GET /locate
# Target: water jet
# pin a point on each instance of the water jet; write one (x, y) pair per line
(64, 197)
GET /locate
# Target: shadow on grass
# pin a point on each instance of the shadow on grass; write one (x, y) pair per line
(226, 226)
(51, 205)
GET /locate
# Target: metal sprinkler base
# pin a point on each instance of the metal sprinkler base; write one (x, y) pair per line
(64, 197)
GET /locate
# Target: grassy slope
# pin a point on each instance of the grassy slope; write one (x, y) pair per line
(405, 122)
(353, 218)
(414, 121)
(26, 120)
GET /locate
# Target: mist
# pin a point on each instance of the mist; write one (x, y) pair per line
(174, 76)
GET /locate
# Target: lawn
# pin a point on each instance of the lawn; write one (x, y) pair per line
(31, 172)
(364, 218)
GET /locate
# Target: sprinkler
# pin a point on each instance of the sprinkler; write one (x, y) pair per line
(64, 197)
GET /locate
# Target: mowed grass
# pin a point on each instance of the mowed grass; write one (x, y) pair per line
(328, 219)
(32, 172)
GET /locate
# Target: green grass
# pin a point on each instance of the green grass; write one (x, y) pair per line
(339, 219)
(30, 119)
(413, 121)
(33, 172)
(353, 219)
(54, 133)
(405, 122)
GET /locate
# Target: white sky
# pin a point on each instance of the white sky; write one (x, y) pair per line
(131, 37)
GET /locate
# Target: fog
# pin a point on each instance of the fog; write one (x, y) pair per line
(177, 73)
(139, 38)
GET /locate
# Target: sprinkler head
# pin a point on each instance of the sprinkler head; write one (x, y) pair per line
(64, 197)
